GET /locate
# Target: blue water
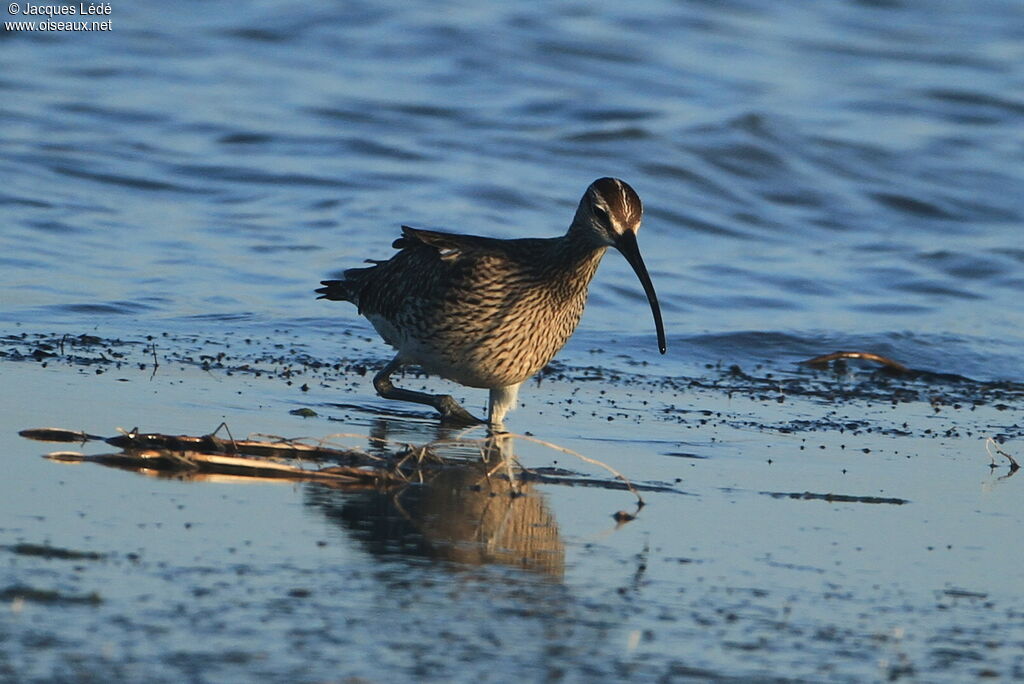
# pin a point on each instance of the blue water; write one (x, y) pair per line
(816, 176)
(822, 171)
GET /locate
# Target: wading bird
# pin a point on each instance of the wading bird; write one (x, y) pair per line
(490, 313)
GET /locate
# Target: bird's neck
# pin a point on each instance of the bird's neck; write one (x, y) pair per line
(576, 259)
(583, 251)
(582, 242)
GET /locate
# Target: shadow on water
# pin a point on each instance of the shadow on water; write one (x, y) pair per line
(468, 502)
(466, 515)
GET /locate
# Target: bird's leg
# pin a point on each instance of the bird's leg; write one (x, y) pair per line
(501, 401)
(444, 403)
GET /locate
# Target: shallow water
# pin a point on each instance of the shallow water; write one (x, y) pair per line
(850, 532)
(816, 177)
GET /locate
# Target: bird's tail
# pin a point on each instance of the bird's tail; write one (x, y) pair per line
(336, 290)
(339, 291)
(348, 288)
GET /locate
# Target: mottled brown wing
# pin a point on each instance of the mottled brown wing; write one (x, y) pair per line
(446, 244)
(427, 268)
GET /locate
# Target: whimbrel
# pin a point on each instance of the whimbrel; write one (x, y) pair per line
(490, 313)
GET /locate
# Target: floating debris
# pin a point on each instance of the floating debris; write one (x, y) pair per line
(821, 361)
(57, 435)
(991, 446)
(837, 498)
(55, 552)
(307, 459)
(19, 593)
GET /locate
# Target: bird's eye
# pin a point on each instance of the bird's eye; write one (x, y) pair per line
(602, 215)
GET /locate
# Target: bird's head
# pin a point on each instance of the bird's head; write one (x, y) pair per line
(610, 209)
(609, 214)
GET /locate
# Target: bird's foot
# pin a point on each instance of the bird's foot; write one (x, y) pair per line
(452, 412)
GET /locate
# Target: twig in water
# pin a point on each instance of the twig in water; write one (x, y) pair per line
(328, 439)
(866, 356)
(58, 435)
(177, 457)
(506, 462)
(991, 445)
(234, 446)
(462, 435)
(592, 461)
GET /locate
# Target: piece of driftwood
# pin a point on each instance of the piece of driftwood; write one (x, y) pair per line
(199, 462)
(209, 454)
(269, 456)
(204, 444)
(211, 444)
(821, 361)
(58, 435)
(991, 446)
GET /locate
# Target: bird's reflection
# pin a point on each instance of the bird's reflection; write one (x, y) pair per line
(473, 514)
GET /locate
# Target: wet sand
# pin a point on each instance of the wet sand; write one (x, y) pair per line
(838, 524)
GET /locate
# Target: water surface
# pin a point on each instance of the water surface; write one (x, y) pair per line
(816, 177)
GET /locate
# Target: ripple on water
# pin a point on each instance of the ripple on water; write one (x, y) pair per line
(978, 358)
(614, 134)
(123, 180)
(270, 249)
(685, 219)
(11, 200)
(53, 226)
(245, 176)
(891, 308)
(116, 308)
(245, 138)
(112, 114)
(911, 205)
(261, 35)
(939, 289)
(971, 266)
(690, 176)
(974, 107)
(497, 196)
(222, 317)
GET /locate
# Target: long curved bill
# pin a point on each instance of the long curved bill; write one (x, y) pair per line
(629, 248)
